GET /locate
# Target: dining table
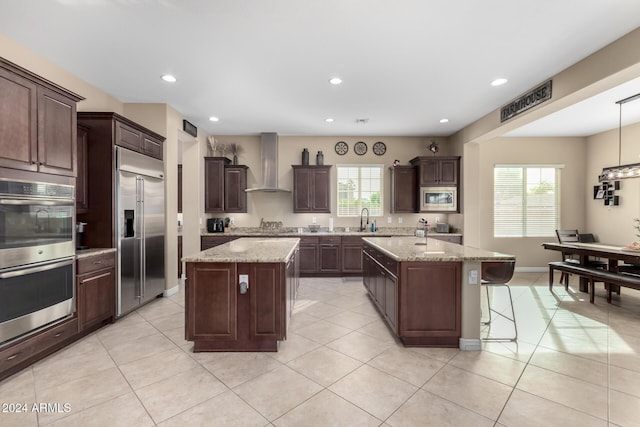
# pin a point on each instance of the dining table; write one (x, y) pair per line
(611, 252)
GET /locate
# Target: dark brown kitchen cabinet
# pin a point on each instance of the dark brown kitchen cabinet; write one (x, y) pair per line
(208, 241)
(179, 257)
(134, 138)
(37, 123)
(311, 189)
(420, 301)
(437, 170)
(105, 131)
(308, 255)
(179, 188)
(352, 255)
(404, 189)
(224, 186)
(235, 182)
(220, 317)
(15, 357)
(82, 180)
(330, 253)
(95, 283)
(214, 184)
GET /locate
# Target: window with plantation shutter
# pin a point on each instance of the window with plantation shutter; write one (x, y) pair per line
(526, 200)
(359, 186)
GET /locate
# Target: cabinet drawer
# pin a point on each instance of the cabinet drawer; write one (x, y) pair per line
(95, 263)
(330, 240)
(352, 240)
(305, 240)
(55, 335)
(15, 354)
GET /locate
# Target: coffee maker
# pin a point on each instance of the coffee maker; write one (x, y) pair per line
(79, 235)
(215, 225)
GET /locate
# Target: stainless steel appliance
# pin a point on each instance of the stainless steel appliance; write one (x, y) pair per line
(438, 199)
(37, 253)
(141, 225)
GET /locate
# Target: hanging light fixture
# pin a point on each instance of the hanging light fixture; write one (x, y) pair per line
(621, 171)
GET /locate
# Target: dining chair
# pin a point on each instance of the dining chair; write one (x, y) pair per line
(573, 236)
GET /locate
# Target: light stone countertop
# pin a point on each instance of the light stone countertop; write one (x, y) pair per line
(248, 249)
(86, 253)
(405, 249)
(339, 231)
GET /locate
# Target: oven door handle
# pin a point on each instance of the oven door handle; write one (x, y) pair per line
(38, 269)
(47, 202)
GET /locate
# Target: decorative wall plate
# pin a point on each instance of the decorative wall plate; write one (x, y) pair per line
(341, 148)
(379, 148)
(360, 148)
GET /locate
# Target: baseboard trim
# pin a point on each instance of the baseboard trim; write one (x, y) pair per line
(171, 291)
(470, 344)
(531, 269)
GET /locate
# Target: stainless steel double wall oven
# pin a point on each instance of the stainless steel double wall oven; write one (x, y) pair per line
(37, 253)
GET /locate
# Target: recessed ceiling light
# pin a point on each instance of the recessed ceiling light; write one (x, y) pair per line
(214, 119)
(499, 82)
(335, 80)
(329, 120)
(168, 78)
(444, 120)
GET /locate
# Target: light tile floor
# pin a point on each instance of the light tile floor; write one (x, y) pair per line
(575, 364)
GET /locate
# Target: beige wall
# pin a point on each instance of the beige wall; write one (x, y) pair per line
(613, 224)
(569, 152)
(279, 206)
(95, 99)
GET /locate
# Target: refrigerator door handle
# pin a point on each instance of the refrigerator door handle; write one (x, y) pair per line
(139, 237)
(143, 242)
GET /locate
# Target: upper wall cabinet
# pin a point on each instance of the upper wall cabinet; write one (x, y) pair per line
(437, 170)
(404, 189)
(37, 123)
(311, 189)
(224, 186)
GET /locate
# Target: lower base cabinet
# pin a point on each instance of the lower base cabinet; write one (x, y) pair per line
(420, 301)
(95, 282)
(220, 317)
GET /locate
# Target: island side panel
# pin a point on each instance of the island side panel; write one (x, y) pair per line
(211, 294)
(430, 302)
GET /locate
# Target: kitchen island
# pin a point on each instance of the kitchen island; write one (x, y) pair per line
(239, 295)
(428, 290)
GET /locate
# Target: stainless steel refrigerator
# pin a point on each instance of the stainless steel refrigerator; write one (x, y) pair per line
(141, 218)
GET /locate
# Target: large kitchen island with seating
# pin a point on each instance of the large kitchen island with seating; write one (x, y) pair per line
(239, 295)
(428, 290)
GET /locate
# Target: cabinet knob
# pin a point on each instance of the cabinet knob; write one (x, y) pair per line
(13, 356)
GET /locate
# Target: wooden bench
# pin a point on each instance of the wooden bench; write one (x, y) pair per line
(595, 275)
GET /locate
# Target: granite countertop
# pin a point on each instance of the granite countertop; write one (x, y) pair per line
(248, 249)
(339, 231)
(405, 249)
(85, 253)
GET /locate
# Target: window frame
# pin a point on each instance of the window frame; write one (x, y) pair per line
(359, 208)
(525, 225)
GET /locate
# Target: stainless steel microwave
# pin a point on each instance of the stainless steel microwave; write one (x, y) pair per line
(438, 199)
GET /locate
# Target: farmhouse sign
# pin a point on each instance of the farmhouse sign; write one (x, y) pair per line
(528, 100)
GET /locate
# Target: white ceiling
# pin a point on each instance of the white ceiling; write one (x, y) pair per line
(264, 65)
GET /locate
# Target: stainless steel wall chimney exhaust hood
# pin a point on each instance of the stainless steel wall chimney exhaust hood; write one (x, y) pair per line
(269, 160)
